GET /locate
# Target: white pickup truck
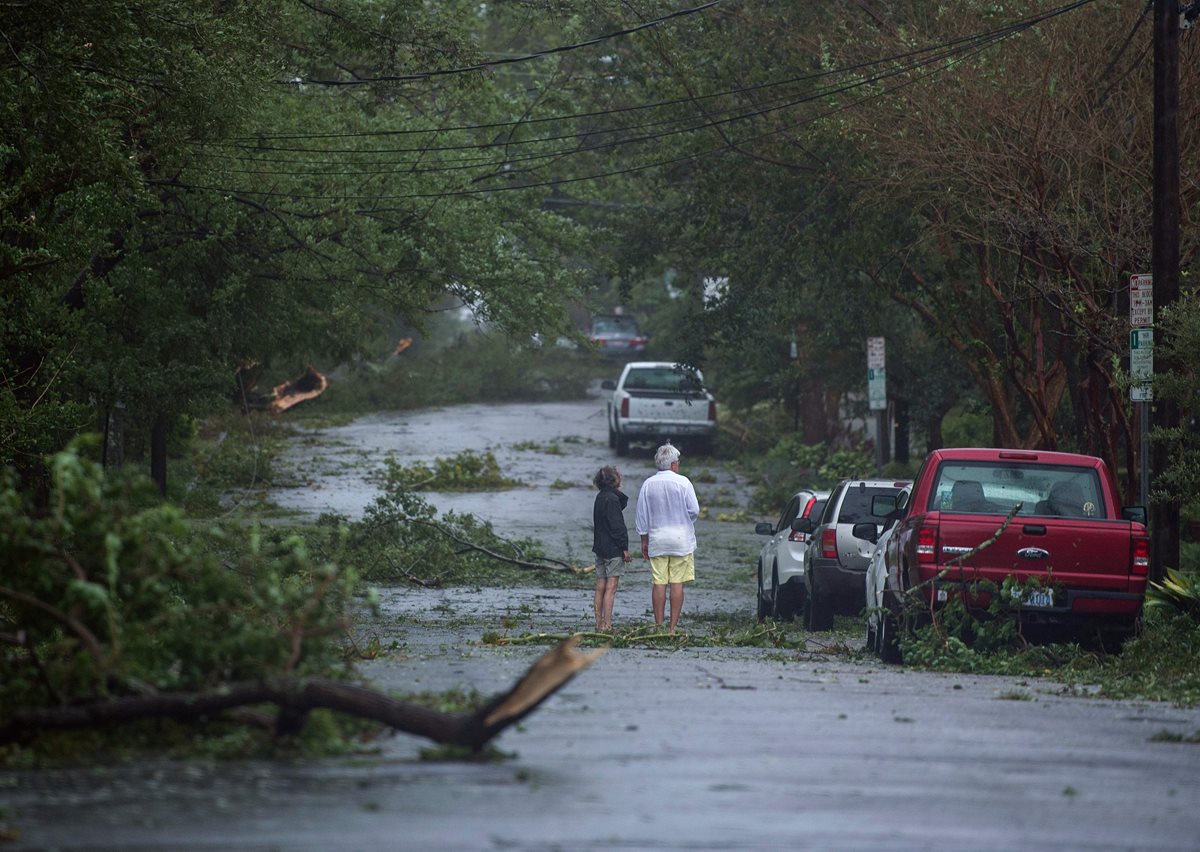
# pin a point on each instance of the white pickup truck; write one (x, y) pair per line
(657, 400)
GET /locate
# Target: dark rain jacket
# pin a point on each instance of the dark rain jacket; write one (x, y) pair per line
(610, 538)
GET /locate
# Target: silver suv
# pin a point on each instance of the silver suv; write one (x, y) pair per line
(835, 562)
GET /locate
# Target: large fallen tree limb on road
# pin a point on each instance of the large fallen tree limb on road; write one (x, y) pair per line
(296, 697)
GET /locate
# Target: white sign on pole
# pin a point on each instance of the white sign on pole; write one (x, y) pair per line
(1141, 364)
(876, 375)
(875, 353)
(1141, 301)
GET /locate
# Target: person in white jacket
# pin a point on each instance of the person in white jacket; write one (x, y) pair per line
(666, 514)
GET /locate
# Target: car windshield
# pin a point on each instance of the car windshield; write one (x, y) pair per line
(661, 378)
(615, 325)
(856, 506)
(996, 487)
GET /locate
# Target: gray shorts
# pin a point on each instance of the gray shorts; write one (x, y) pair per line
(606, 568)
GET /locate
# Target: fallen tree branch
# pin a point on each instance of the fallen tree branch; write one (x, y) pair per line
(521, 563)
(89, 641)
(295, 697)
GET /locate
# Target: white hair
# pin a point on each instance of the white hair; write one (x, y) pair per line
(665, 456)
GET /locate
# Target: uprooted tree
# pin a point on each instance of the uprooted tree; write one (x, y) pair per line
(113, 609)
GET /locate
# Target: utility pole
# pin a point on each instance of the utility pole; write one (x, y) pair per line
(1164, 517)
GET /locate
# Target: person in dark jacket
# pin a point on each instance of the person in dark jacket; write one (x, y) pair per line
(610, 541)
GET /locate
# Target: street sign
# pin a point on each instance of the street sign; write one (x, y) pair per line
(1141, 364)
(876, 375)
(875, 353)
(1141, 301)
(877, 390)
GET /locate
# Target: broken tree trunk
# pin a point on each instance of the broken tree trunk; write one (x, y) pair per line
(295, 697)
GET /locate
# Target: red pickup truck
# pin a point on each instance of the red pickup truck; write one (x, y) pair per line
(1090, 555)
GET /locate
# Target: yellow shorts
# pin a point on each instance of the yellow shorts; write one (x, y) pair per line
(672, 569)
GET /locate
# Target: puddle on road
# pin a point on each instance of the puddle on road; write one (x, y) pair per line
(336, 470)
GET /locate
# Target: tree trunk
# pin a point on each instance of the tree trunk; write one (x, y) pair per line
(902, 432)
(158, 453)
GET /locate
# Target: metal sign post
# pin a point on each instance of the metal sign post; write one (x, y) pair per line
(877, 394)
(1141, 370)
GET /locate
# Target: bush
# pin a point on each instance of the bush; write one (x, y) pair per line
(115, 594)
(1179, 592)
(791, 465)
(467, 471)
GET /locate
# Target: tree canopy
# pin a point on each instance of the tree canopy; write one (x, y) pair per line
(193, 188)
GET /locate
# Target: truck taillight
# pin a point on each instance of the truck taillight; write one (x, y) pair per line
(625, 407)
(829, 543)
(712, 410)
(927, 544)
(635, 342)
(1139, 562)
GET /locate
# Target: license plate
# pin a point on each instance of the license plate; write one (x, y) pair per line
(1040, 598)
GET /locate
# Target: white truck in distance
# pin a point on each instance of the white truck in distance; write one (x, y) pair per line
(660, 400)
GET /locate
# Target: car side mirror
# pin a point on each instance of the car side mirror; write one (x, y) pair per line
(1137, 514)
(608, 384)
(764, 529)
(867, 531)
(803, 525)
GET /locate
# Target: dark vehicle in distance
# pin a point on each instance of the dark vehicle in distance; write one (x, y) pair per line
(617, 335)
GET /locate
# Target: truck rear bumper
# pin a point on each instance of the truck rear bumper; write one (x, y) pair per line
(1068, 604)
(653, 428)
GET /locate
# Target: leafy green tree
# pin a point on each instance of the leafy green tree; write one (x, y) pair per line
(178, 207)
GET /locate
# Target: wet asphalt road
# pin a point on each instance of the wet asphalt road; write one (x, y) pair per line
(648, 749)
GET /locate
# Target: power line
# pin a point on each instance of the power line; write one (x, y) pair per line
(966, 46)
(730, 116)
(1022, 24)
(617, 172)
(425, 75)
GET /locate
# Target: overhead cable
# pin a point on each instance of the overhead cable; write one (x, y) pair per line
(424, 75)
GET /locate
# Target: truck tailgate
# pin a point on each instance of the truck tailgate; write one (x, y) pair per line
(1081, 553)
(649, 407)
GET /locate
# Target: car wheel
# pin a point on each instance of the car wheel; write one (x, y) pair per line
(764, 608)
(776, 592)
(784, 599)
(622, 444)
(871, 639)
(887, 637)
(818, 612)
